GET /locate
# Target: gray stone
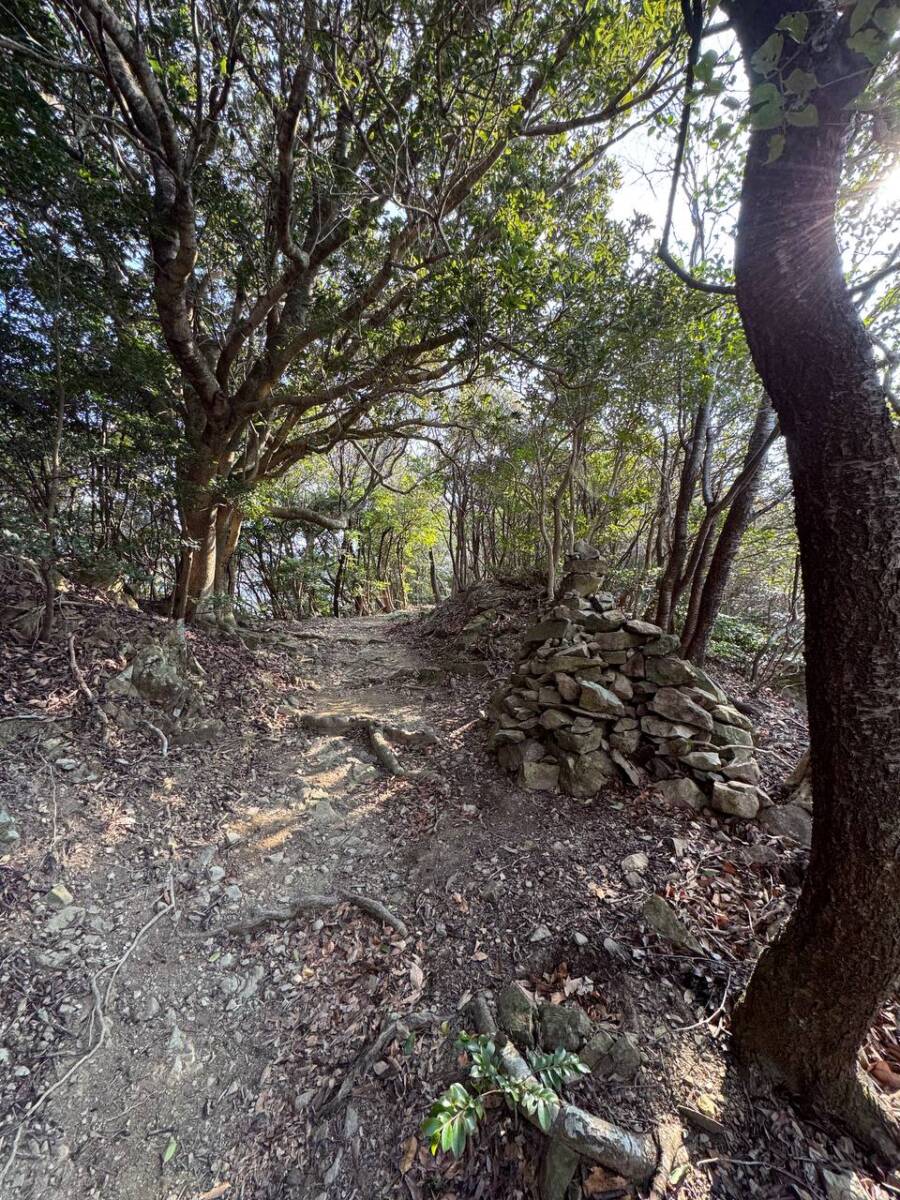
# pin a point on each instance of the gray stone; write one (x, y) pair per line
(554, 718)
(557, 1170)
(635, 775)
(661, 917)
(581, 743)
(572, 659)
(516, 1011)
(564, 1025)
(736, 799)
(596, 698)
(730, 735)
(610, 1053)
(726, 714)
(620, 639)
(843, 1185)
(788, 821)
(607, 622)
(666, 644)
(681, 792)
(621, 686)
(658, 728)
(643, 629)
(586, 774)
(702, 760)
(567, 687)
(545, 630)
(635, 862)
(673, 704)
(626, 742)
(71, 914)
(539, 776)
(671, 672)
(59, 896)
(747, 772)
(540, 933)
(9, 835)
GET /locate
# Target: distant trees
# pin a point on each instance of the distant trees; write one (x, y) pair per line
(316, 189)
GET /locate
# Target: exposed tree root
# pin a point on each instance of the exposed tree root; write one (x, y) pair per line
(382, 750)
(312, 903)
(102, 719)
(632, 1155)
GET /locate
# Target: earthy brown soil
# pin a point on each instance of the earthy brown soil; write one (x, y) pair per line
(203, 1063)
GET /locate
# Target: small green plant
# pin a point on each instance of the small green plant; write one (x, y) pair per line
(455, 1114)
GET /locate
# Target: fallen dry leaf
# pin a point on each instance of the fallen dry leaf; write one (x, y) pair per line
(410, 1147)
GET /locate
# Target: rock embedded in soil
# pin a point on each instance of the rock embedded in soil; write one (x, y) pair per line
(788, 821)
(59, 896)
(663, 919)
(564, 1026)
(516, 1012)
(599, 697)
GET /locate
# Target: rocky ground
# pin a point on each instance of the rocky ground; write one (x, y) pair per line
(160, 1040)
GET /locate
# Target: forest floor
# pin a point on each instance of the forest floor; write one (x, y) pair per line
(148, 1054)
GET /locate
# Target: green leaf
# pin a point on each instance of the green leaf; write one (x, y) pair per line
(800, 83)
(887, 18)
(795, 24)
(870, 43)
(765, 60)
(170, 1151)
(862, 13)
(776, 147)
(803, 116)
(769, 116)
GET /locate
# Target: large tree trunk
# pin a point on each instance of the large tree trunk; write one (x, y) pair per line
(709, 589)
(816, 991)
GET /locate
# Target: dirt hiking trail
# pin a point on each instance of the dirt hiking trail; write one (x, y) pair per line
(168, 1032)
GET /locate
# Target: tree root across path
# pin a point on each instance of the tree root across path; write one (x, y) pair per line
(635, 1156)
(312, 903)
(379, 733)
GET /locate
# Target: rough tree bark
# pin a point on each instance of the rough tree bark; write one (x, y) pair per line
(709, 590)
(816, 991)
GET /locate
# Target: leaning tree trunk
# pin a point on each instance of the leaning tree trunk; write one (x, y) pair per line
(815, 992)
(709, 588)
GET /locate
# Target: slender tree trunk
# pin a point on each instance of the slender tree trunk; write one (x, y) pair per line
(816, 991)
(690, 473)
(433, 575)
(708, 592)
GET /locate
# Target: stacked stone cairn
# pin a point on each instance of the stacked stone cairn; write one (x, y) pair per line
(599, 697)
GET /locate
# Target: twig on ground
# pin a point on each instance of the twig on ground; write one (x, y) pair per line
(102, 718)
(362, 1063)
(374, 908)
(163, 740)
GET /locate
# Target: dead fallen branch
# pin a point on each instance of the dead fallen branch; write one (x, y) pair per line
(632, 1155)
(312, 903)
(399, 1027)
(382, 750)
(102, 718)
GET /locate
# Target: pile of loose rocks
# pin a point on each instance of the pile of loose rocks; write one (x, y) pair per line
(599, 696)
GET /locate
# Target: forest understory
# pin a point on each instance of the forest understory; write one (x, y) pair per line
(159, 1042)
